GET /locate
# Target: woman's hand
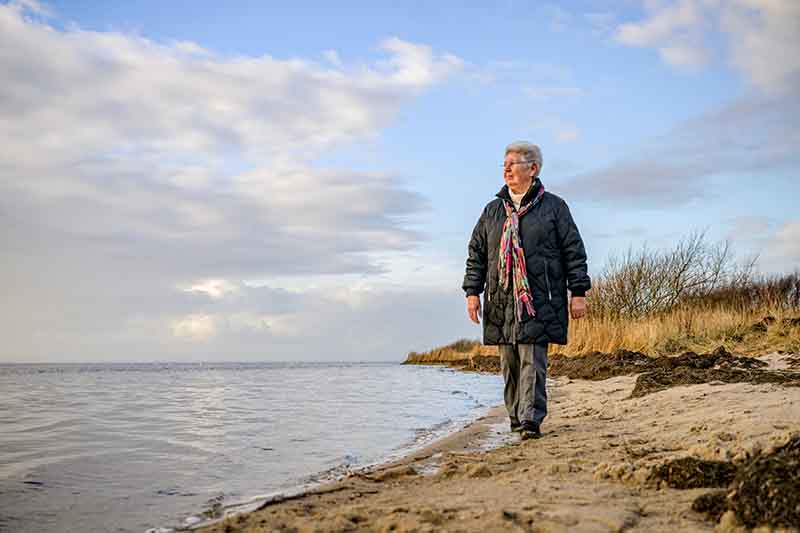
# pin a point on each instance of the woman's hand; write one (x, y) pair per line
(474, 308)
(577, 306)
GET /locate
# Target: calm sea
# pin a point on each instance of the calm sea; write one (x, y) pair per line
(130, 447)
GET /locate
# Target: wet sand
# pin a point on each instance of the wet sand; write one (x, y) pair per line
(596, 467)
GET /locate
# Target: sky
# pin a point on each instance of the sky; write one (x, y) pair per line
(275, 181)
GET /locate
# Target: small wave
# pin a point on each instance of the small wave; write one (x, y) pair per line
(342, 467)
(173, 491)
(221, 430)
(222, 512)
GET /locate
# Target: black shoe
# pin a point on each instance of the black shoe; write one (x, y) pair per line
(516, 427)
(530, 431)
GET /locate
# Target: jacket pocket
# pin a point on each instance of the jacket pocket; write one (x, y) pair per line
(547, 281)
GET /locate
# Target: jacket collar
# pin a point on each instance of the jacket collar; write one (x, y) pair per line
(530, 195)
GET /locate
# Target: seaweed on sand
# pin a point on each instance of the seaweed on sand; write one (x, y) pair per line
(712, 504)
(693, 473)
(597, 366)
(766, 490)
(760, 491)
(659, 373)
(662, 379)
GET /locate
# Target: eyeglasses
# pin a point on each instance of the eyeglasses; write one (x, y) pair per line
(511, 164)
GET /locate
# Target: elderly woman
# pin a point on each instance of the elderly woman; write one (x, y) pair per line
(525, 252)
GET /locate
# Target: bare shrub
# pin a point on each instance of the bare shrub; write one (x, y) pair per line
(762, 291)
(646, 282)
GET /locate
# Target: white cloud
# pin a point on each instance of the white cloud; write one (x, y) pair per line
(150, 145)
(102, 94)
(777, 245)
(142, 182)
(192, 48)
(683, 55)
(749, 227)
(214, 288)
(765, 40)
(763, 36)
(662, 24)
(195, 327)
(786, 242)
(262, 323)
(416, 65)
(756, 135)
(282, 325)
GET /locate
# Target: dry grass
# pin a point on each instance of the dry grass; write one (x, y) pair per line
(694, 297)
(459, 351)
(695, 315)
(727, 316)
(696, 328)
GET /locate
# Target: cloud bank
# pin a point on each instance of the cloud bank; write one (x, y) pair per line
(756, 133)
(762, 37)
(132, 169)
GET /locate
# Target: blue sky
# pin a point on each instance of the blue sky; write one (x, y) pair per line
(256, 181)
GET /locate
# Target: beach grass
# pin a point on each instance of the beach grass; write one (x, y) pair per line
(689, 328)
(745, 314)
(696, 329)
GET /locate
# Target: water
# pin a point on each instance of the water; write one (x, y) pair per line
(128, 447)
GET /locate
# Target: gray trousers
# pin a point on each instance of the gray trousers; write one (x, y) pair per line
(525, 374)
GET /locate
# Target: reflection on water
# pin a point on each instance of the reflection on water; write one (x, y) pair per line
(127, 447)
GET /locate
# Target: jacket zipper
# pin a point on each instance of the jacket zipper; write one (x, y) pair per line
(515, 326)
(547, 280)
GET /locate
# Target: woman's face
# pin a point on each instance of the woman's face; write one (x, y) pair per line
(517, 175)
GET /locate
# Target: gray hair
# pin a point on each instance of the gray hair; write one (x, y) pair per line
(529, 152)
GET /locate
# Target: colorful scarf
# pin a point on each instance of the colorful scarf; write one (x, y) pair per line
(511, 250)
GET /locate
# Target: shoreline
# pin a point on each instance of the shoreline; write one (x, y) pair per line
(594, 469)
(471, 436)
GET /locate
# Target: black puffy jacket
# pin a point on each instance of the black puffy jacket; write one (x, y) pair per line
(555, 259)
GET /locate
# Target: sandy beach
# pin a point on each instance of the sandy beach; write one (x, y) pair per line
(599, 466)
